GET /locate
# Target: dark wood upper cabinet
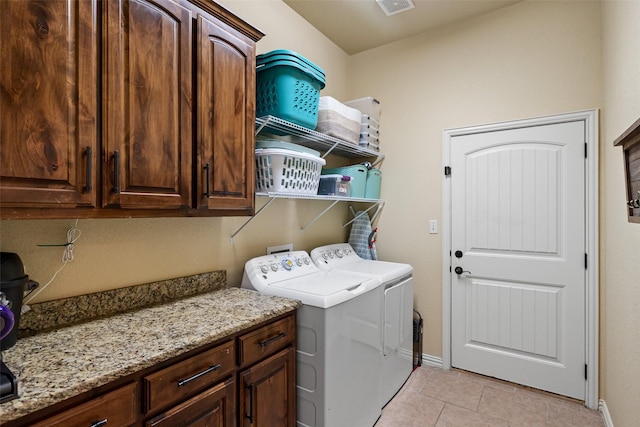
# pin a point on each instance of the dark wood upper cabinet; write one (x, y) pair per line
(146, 153)
(125, 108)
(225, 120)
(630, 143)
(48, 103)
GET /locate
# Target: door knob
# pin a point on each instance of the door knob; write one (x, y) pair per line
(458, 254)
(460, 270)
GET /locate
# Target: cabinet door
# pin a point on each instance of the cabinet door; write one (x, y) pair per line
(146, 104)
(268, 392)
(48, 84)
(225, 119)
(214, 407)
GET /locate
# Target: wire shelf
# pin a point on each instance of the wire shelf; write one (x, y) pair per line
(315, 140)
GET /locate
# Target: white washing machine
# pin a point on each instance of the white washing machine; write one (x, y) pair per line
(338, 337)
(396, 309)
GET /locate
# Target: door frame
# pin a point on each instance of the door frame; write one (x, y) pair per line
(590, 117)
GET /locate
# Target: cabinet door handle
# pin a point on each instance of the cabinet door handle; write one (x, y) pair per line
(270, 340)
(207, 178)
(116, 172)
(250, 414)
(198, 375)
(89, 154)
(100, 423)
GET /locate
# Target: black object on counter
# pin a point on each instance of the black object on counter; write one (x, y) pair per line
(8, 384)
(13, 284)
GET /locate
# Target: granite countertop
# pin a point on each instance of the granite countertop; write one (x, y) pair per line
(63, 363)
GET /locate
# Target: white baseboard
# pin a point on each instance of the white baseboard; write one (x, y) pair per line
(430, 360)
(602, 406)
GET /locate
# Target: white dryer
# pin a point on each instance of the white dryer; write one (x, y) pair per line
(396, 309)
(338, 330)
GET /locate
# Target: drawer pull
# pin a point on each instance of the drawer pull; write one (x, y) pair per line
(99, 423)
(270, 340)
(199, 374)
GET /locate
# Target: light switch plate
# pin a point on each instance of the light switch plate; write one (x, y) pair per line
(433, 226)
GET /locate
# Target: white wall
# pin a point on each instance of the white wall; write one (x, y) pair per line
(527, 60)
(619, 239)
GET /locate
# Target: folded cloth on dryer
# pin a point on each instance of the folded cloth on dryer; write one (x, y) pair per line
(359, 235)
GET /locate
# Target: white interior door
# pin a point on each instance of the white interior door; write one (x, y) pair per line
(518, 233)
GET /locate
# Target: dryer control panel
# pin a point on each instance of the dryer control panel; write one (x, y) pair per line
(334, 255)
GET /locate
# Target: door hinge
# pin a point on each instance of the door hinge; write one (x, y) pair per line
(586, 261)
(586, 150)
(447, 171)
(585, 371)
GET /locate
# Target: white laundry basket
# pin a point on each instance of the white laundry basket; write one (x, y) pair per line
(287, 171)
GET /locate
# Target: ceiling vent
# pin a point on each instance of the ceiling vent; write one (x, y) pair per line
(391, 7)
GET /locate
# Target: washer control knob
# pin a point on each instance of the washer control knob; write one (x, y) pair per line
(299, 262)
(330, 254)
(339, 253)
(325, 256)
(264, 269)
(287, 263)
(306, 261)
(274, 266)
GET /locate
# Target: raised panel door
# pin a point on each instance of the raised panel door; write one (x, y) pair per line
(48, 84)
(225, 120)
(268, 392)
(518, 296)
(147, 104)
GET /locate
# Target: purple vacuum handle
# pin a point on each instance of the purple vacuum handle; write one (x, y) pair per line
(6, 321)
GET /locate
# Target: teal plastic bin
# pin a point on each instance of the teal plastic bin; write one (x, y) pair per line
(372, 188)
(288, 86)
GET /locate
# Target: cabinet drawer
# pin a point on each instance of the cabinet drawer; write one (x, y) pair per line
(185, 378)
(266, 340)
(116, 408)
(213, 407)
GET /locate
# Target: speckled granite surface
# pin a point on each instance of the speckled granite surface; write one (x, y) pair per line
(63, 312)
(56, 365)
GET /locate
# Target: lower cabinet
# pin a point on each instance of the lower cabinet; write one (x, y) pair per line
(246, 380)
(268, 392)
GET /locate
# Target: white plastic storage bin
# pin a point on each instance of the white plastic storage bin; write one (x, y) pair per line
(337, 120)
(358, 174)
(369, 141)
(370, 121)
(365, 128)
(368, 105)
(334, 185)
(286, 171)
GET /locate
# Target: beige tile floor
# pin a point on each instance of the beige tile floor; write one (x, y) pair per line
(435, 397)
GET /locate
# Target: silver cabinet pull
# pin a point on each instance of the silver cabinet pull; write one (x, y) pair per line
(198, 375)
